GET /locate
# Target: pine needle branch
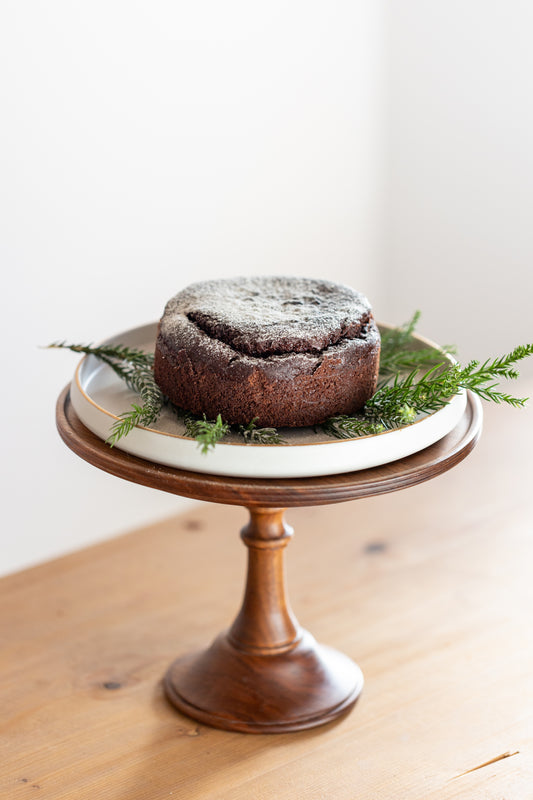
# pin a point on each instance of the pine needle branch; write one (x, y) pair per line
(343, 426)
(396, 341)
(142, 381)
(135, 368)
(117, 352)
(427, 387)
(127, 362)
(411, 382)
(401, 353)
(254, 435)
(206, 432)
(137, 415)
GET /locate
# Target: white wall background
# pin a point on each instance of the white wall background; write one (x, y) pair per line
(146, 145)
(459, 232)
(381, 143)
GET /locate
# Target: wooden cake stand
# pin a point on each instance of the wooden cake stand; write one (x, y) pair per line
(265, 674)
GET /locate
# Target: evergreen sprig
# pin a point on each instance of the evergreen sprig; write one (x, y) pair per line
(423, 392)
(396, 340)
(142, 381)
(206, 432)
(137, 415)
(135, 368)
(343, 426)
(127, 362)
(401, 353)
(412, 381)
(254, 435)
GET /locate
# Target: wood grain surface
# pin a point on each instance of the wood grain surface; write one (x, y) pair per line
(410, 471)
(265, 674)
(428, 589)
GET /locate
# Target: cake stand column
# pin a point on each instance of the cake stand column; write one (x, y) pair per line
(266, 674)
(265, 623)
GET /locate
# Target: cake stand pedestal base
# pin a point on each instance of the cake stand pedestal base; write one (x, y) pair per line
(265, 674)
(225, 688)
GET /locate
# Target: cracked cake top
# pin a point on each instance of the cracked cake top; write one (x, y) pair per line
(272, 315)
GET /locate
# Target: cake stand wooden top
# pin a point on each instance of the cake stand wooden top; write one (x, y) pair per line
(282, 493)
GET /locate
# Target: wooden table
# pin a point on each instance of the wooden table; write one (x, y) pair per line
(429, 589)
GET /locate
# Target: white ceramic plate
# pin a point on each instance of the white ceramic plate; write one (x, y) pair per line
(99, 397)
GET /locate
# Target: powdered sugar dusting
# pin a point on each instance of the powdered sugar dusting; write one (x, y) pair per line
(271, 315)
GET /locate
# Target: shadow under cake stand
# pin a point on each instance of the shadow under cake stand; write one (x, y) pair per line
(266, 674)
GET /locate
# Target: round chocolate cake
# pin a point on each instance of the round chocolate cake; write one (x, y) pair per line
(284, 351)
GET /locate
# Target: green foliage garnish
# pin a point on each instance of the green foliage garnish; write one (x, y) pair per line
(399, 355)
(135, 368)
(206, 432)
(428, 386)
(137, 415)
(343, 426)
(254, 435)
(412, 381)
(128, 362)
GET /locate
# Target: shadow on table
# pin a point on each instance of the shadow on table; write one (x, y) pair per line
(189, 760)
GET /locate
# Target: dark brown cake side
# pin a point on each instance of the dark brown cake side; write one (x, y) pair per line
(287, 351)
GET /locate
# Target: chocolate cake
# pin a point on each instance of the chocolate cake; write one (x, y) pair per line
(286, 351)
